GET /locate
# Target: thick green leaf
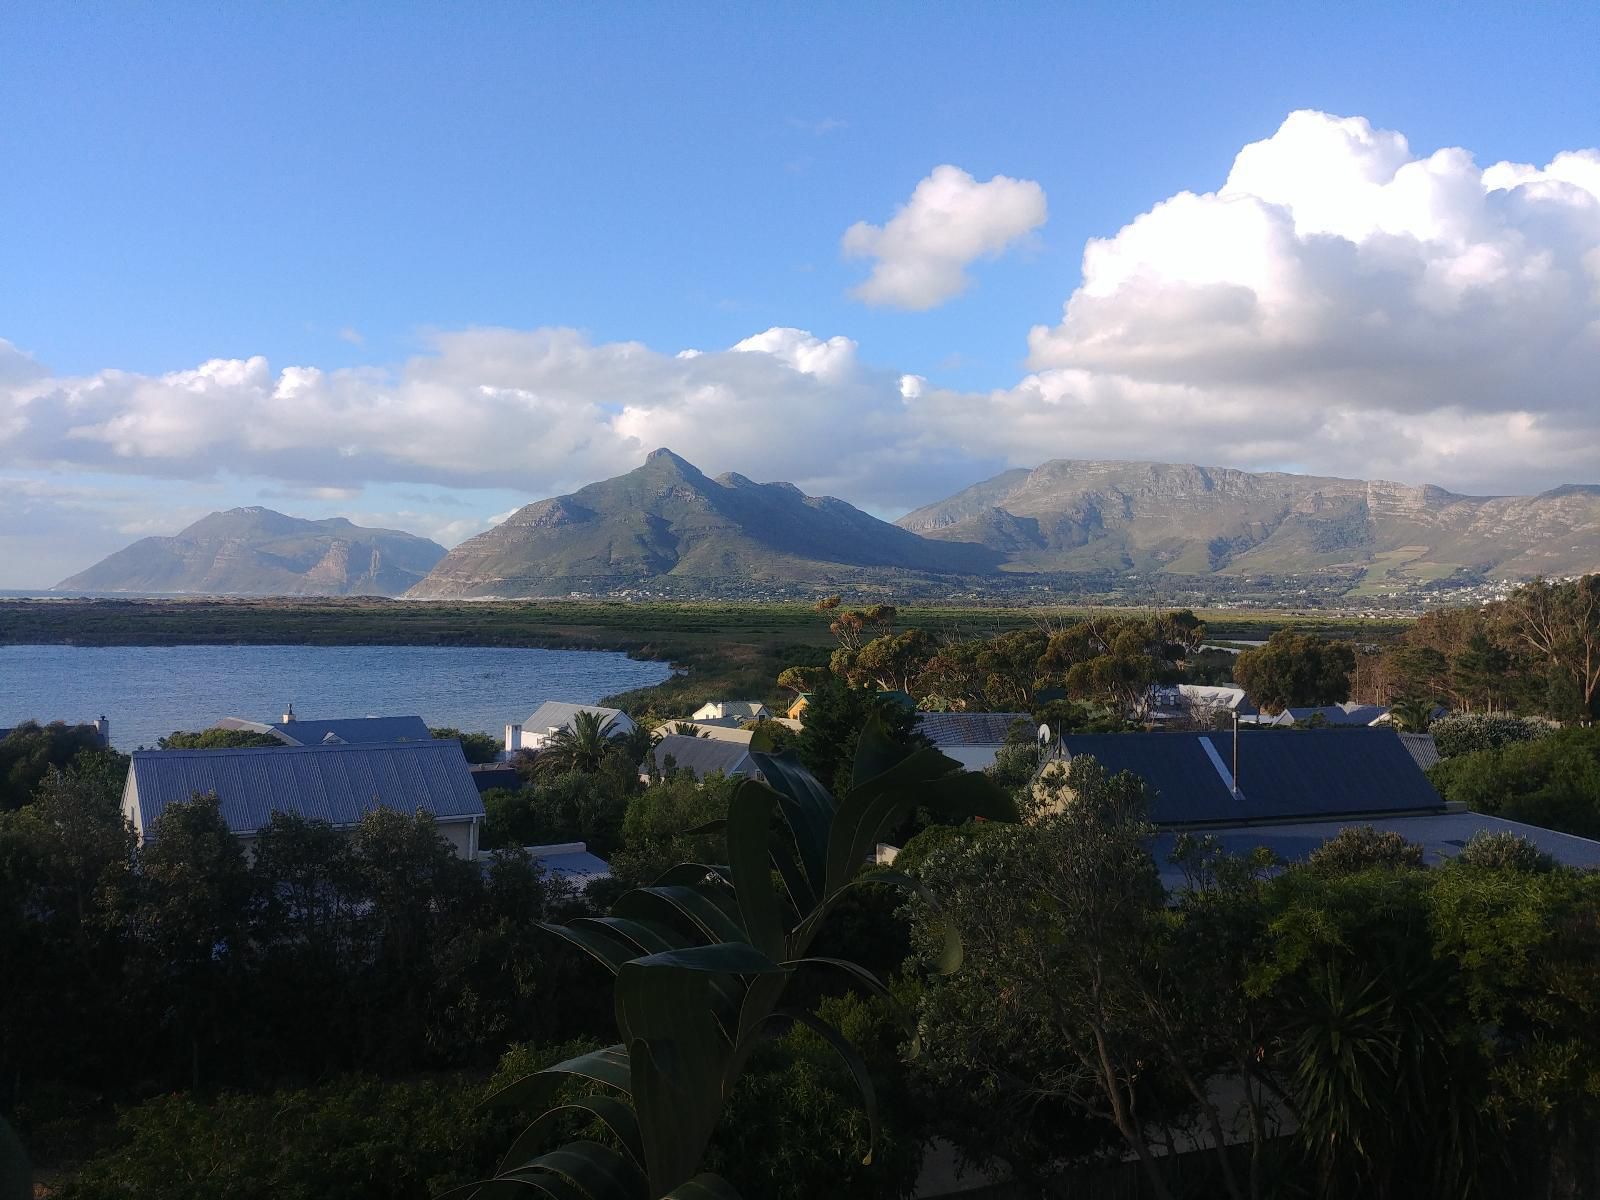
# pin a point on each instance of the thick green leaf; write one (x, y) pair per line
(675, 902)
(617, 1115)
(764, 994)
(608, 1067)
(853, 969)
(871, 809)
(691, 874)
(727, 958)
(599, 943)
(807, 808)
(715, 825)
(749, 830)
(876, 752)
(704, 1186)
(646, 937)
(852, 1059)
(802, 937)
(596, 1172)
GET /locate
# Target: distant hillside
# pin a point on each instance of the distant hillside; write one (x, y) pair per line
(258, 552)
(1070, 515)
(667, 519)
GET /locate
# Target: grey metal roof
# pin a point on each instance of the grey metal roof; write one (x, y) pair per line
(1441, 836)
(1336, 714)
(968, 728)
(745, 710)
(354, 730)
(702, 756)
(337, 783)
(557, 714)
(1421, 748)
(1282, 773)
(570, 861)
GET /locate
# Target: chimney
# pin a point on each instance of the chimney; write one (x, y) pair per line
(288, 713)
(103, 728)
(513, 738)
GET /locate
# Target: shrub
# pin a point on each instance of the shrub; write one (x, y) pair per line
(1505, 852)
(1553, 782)
(1466, 733)
(1361, 847)
(355, 1138)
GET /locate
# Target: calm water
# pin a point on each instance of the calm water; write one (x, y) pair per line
(149, 691)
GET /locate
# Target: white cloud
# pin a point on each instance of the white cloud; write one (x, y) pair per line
(923, 251)
(1339, 305)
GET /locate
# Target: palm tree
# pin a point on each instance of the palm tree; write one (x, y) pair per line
(701, 962)
(581, 746)
(1413, 714)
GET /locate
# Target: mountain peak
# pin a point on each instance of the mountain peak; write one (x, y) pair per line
(661, 452)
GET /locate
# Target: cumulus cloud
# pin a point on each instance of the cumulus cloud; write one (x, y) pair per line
(1351, 294)
(1340, 304)
(922, 253)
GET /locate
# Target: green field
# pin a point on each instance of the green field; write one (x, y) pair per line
(722, 649)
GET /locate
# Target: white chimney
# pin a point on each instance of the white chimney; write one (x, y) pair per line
(513, 738)
(288, 713)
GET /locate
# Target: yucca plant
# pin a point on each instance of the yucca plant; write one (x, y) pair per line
(702, 960)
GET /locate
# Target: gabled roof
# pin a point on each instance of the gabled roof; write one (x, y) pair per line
(722, 731)
(557, 714)
(746, 710)
(968, 728)
(1283, 774)
(353, 730)
(1334, 714)
(339, 784)
(702, 756)
(1422, 748)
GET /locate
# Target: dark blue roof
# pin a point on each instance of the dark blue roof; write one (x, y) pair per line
(1283, 774)
(355, 730)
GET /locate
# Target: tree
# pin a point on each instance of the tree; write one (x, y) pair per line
(217, 739)
(834, 720)
(893, 661)
(1295, 669)
(31, 749)
(656, 830)
(1553, 782)
(195, 892)
(477, 747)
(1413, 714)
(584, 745)
(1561, 623)
(799, 680)
(703, 961)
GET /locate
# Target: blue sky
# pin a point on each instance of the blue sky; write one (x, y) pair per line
(340, 187)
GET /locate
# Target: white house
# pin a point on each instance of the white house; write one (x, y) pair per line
(554, 715)
(337, 782)
(972, 739)
(733, 710)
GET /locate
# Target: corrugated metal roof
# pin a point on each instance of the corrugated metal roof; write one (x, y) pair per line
(1421, 748)
(557, 714)
(354, 730)
(702, 756)
(1441, 836)
(339, 783)
(719, 730)
(743, 710)
(1282, 773)
(570, 861)
(1332, 714)
(968, 728)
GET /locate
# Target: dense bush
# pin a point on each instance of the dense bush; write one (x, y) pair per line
(1553, 782)
(1360, 847)
(217, 739)
(1504, 852)
(1465, 733)
(357, 1139)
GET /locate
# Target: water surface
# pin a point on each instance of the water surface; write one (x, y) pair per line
(149, 691)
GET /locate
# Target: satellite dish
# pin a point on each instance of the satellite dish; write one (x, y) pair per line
(1044, 735)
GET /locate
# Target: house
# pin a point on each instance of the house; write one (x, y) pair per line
(1295, 789)
(973, 739)
(703, 756)
(569, 862)
(553, 715)
(797, 710)
(292, 731)
(724, 731)
(337, 782)
(733, 710)
(1196, 703)
(1348, 713)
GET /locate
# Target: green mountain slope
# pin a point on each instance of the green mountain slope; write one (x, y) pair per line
(666, 518)
(1070, 515)
(258, 552)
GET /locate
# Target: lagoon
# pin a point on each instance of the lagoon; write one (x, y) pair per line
(147, 692)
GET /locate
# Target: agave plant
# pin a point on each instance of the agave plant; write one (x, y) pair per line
(702, 960)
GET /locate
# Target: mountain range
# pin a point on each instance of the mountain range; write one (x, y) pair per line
(258, 552)
(667, 527)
